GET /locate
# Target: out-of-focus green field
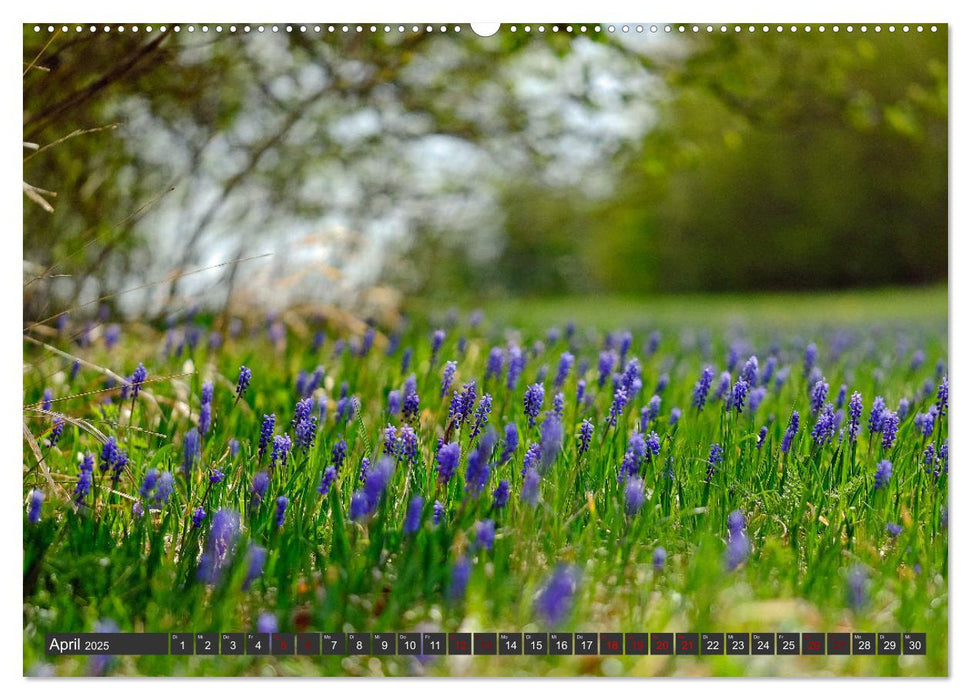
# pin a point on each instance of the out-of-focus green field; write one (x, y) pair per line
(780, 310)
(819, 555)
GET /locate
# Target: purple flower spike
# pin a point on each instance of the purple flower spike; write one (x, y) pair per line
(556, 597)
(413, 515)
(36, 501)
(533, 402)
(884, 472)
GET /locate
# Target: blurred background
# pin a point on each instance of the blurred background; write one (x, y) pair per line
(357, 170)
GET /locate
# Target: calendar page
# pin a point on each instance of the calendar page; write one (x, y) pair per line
(369, 349)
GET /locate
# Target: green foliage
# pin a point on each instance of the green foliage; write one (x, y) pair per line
(788, 161)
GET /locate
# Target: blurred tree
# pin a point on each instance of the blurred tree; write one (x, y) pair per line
(789, 161)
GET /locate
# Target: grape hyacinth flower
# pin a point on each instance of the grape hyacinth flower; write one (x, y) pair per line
(413, 515)
(57, 428)
(109, 454)
(359, 505)
(893, 529)
(556, 597)
(255, 561)
(715, 457)
(438, 511)
(438, 337)
(479, 468)
(563, 370)
(942, 397)
(164, 488)
(616, 407)
(724, 385)
(891, 421)
(207, 392)
(485, 534)
(85, 478)
(500, 496)
(761, 438)
(631, 378)
(517, 363)
(605, 366)
(737, 550)
(531, 458)
(675, 416)
(198, 515)
(220, 545)
(883, 474)
(100, 664)
(809, 359)
(305, 432)
(551, 440)
(260, 483)
(700, 393)
(281, 450)
(825, 428)
(530, 490)
(448, 374)
(407, 444)
(903, 408)
(266, 434)
(376, 481)
(653, 341)
(735, 522)
(390, 440)
(790, 433)
(653, 410)
(750, 371)
(148, 483)
(190, 450)
(737, 398)
(462, 403)
(327, 480)
(856, 587)
(133, 384)
(634, 495)
(510, 444)
(242, 383)
(410, 408)
(586, 435)
(35, 503)
(448, 460)
(494, 363)
(281, 510)
(658, 559)
(768, 370)
(625, 342)
(662, 384)
(875, 423)
(533, 402)
(267, 623)
(856, 412)
(339, 453)
(481, 415)
(817, 396)
(461, 572)
(394, 402)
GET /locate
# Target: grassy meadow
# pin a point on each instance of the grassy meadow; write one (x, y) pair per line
(593, 490)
